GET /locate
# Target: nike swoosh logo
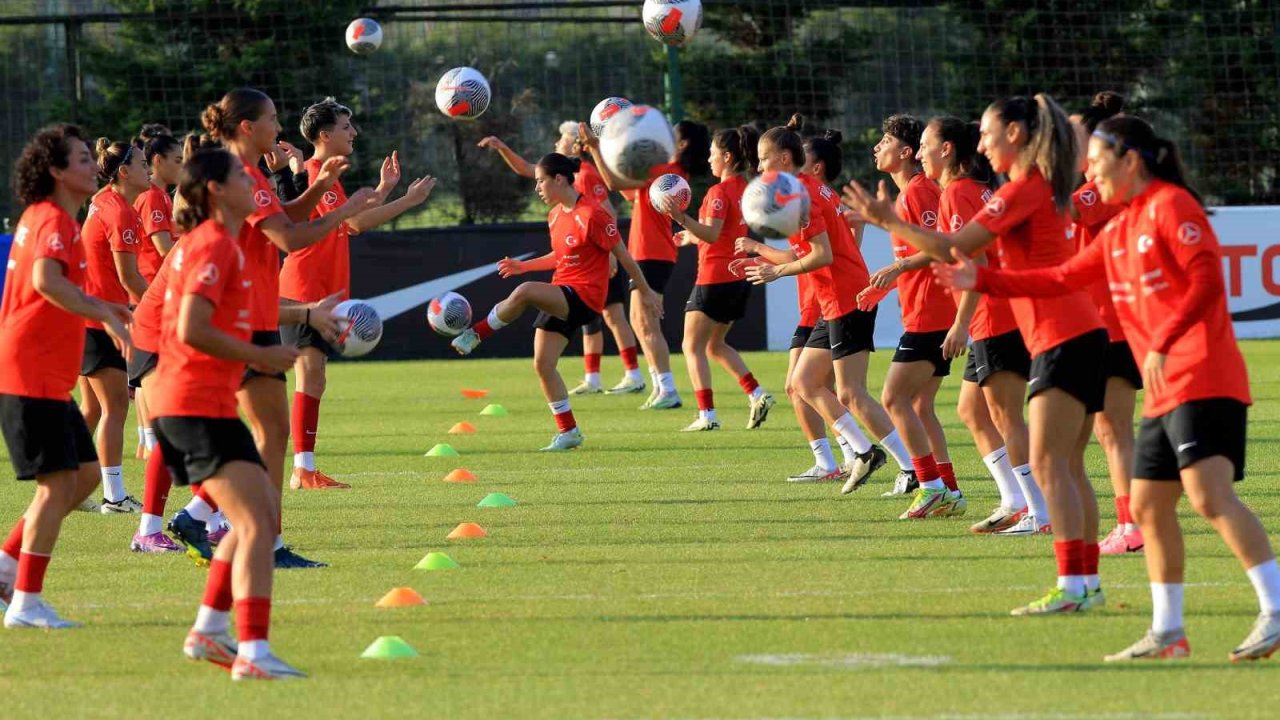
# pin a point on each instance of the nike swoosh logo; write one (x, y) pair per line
(1033, 380)
(905, 348)
(781, 199)
(836, 345)
(311, 432)
(1188, 445)
(981, 368)
(399, 302)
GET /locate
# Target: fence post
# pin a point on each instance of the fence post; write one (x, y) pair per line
(75, 78)
(674, 86)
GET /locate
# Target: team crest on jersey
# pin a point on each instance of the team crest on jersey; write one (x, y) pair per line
(570, 241)
(208, 274)
(1189, 233)
(330, 198)
(1088, 198)
(262, 198)
(995, 206)
(129, 237)
(157, 216)
(1144, 243)
(929, 218)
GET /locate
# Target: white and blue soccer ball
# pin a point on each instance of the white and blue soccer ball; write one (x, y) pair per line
(449, 314)
(637, 139)
(362, 329)
(672, 186)
(364, 35)
(776, 205)
(672, 22)
(463, 93)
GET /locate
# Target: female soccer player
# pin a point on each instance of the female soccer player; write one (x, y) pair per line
(583, 236)
(246, 123)
(42, 337)
(588, 182)
(204, 346)
(719, 297)
(1031, 140)
(112, 240)
(323, 270)
(1162, 257)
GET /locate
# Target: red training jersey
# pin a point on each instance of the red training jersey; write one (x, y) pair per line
(41, 344)
(650, 237)
(1092, 215)
(1032, 233)
(262, 257)
(810, 310)
(587, 181)
(961, 200)
(582, 239)
(155, 210)
(147, 316)
(927, 305)
(837, 285)
(723, 202)
(112, 226)
(317, 271)
(190, 383)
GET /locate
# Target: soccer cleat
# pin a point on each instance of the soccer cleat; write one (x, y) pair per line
(1119, 542)
(303, 479)
(1093, 599)
(1001, 518)
(216, 536)
(566, 440)
(626, 386)
(666, 401)
(586, 388)
(154, 543)
(702, 424)
(287, 559)
(653, 395)
(958, 507)
(926, 503)
(1261, 642)
(904, 484)
(218, 648)
(860, 469)
(89, 505)
(466, 342)
(1028, 525)
(267, 668)
(40, 616)
(1155, 646)
(129, 504)
(816, 474)
(760, 406)
(6, 590)
(1056, 601)
(193, 536)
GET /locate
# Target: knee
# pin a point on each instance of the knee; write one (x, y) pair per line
(849, 398)
(544, 366)
(967, 409)
(692, 346)
(923, 407)
(1212, 507)
(1144, 512)
(895, 401)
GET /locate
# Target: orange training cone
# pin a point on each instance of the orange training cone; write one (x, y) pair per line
(461, 475)
(401, 597)
(462, 428)
(467, 531)
(474, 394)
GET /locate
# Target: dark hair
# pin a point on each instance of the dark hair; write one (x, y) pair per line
(697, 139)
(907, 128)
(1159, 155)
(156, 139)
(786, 138)
(556, 164)
(111, 157)
(826, 148)
(198, 169)
(48, 148)
(964, 138)
(320, 117)
(1106, 104)
(222, 119)
(1051, 145)
(740, 143)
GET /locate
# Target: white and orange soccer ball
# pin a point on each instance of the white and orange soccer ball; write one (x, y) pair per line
(605, 110)
(463, 93)
(776, 205)
(673, 22)
(672, 186)
(449, 314)
(362, 330)
(364, 35)
(636, 140)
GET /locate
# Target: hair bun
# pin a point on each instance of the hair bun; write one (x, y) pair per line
(1109, 101)
(100, 147)
(796, 122)
(834, 136)
(211, 120)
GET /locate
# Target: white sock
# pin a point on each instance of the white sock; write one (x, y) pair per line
(1031, 492)
(142, 437)
(846, 450)
(198, 509)
(935, 484)
(708, 415)
(254, 649)
(634, 375)
(1073, 584)
(149, 439)
(113, 483)
(1006, 481)
(593, 379)
(1092, 583)
(848, 428)
(150, 524)
(304, 461)
(757, 392)
(494, 321)
(1266, 582)
(216, 521)
(279, 543)
(1166, 607)
(8, 565)
(559, 407)
(667, 382)
(822, 454)
(210, 621)
(23, 601)
(1128, 527)
(893, 445)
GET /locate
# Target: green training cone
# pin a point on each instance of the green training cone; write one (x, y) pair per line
(442, 450)
(389, 647)
(436, 561)
(496, 500)
(494, 410)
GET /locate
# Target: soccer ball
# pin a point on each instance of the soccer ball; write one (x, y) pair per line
(449, 314)
(364, 35)
(463, 94)
(673, 22)
(362, 331)
(606, 109)
(776, 205)
(672, 186)
(635, 140)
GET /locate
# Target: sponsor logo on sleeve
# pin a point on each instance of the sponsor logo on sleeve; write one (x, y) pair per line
(262, 198)
(929, 218)
(208, 274)
(330, 198)
(157, 216)
(1088, 198)
(995, 206)
(957, 222)
(129, 237)
(1189, 233)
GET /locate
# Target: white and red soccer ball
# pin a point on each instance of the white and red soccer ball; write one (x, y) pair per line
(364, 35)
(672, 22)
(449, 314)
(636, 140)
(672, 186)
(605, 110)
(776, 205)
(463, 93)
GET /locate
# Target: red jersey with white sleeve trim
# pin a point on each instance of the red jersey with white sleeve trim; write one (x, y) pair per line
(147, 316)
(961, 200)
(188, 382)
(582, 239)
(650, 236)
(927, 305)
(155, 210)
(587, 181)
(1093, 214)
(112, 226)
(722, 202)
(317, 271)
(837, 285)
(41, 345)
(262, 257)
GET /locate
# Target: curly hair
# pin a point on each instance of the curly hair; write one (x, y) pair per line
(907, 128)
(49, 148)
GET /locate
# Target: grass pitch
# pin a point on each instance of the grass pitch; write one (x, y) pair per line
(649, 574)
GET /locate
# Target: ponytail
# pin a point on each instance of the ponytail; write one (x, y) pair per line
(1051, 143)
(1159, 155)
(1106, 104)
(740, 143)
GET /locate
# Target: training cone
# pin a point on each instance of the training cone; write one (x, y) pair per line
(389, 647)
(401, 597)
(496, 500)
(474, 394)
(467, 531)
(494, 410)
(442, 450)
(461, 475)
(436, 561)
(462, 428)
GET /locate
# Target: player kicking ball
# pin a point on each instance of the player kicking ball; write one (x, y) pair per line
(583, 235)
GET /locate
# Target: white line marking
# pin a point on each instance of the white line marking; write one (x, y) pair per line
(845, 660)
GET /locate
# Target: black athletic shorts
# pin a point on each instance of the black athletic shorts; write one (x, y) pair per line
(195, 447)
(846, 335)
(141, 363)
(1121, 364)
(100, 353)
(801, 336)
(44, 436)
(579, 315)
(263, 338)
(657, 273)
(995, 354)
(617, 295)
(304, 336)
(919, 347)
(1075, 367)
(722, 302)
(1189, 433)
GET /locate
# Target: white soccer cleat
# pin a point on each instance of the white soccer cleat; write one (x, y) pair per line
(816, 474)
(125, 506)
(627, 386)
(466, 342)
(1002, 518)
(586, 388)
(40, 616)
(1155, 646)
(218, 648)
(565, 441)
(760, 407)
(267, 668)
(1262, 641)
(89, 505)
(1028, 525)
(904, 484)
(702, 425)
(6, 589)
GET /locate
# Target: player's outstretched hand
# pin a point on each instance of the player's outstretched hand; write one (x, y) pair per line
(330, 170)
(959, 275)
(877, 209)
(390, 174)
(323, 319)
(510, 267)
(275, 359)
(419, 190)
(493, 142)
(761, 273)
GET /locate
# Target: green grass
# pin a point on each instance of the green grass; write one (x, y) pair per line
(633, 580)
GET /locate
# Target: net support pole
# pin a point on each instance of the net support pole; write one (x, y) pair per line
(674, 86)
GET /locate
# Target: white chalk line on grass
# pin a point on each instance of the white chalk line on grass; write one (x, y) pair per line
(985, 716)
(845, 660)
(527, 471)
